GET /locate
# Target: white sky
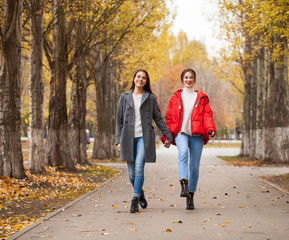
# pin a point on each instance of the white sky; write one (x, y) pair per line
(195, 18)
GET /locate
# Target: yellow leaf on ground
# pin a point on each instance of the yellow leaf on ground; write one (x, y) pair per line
(169, 230)
(133, 229)
(247, 228)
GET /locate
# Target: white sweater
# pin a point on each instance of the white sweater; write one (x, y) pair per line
(137, 118)
(189, 97)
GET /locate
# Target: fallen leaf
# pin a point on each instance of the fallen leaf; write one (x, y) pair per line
(169, 230)
(227, 221)
(247, 228)
(133, 229)
(77, 215)
(222, 225)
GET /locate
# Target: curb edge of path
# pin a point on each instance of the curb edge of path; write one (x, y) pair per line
(40, 221)
(275, 186)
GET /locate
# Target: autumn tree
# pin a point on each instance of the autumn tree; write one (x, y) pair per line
(57, 146)
(262, 42)
(11, 159)
(89, 20)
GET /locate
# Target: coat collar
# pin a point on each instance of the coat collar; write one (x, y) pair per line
(129, 97)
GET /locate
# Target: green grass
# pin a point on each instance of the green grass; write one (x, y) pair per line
(218, 144)
(241, 161)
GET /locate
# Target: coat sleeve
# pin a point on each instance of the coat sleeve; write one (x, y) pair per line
(169, 113)
(119, 120)
(169, 116)
(209, 124)
(160, 121)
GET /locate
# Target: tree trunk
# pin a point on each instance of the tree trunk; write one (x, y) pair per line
(276, 124)
(260, 103)
(11, 159)
(247, 68)
(77, 116)
(253, 103)
(57, 147)
(36, 89)
(104, 147)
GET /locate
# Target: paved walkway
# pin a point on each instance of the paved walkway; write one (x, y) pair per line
(231, 203)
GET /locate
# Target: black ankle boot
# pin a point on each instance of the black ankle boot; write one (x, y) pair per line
(185, 190)
(190, 201)
(142, 201)
(134, 205)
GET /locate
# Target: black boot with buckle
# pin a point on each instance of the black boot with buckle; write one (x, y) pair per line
(134, 205)
(190, 201)
(185, 190)
(142, 201)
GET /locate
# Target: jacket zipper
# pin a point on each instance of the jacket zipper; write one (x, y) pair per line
(199, 101)
(180, 108)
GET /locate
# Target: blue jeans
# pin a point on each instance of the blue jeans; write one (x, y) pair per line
(194, 144)
(136, 168)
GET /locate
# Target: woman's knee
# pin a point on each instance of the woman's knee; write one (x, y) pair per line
(183, 153)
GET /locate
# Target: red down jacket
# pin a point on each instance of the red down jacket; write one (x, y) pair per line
(201, 119)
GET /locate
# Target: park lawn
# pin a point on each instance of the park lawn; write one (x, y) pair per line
(217, 144)
(23, 202)
(280, 180)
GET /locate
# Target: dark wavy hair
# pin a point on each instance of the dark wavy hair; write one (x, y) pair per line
(147, 87)
(188, 70)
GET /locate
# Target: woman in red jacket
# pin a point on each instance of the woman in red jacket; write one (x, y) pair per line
(190, 120)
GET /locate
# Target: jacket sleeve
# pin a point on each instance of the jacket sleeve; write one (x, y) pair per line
(209, 124)
(119, 120)
(160, 121)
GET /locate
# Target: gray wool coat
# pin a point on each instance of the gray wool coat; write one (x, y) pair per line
(125, 118)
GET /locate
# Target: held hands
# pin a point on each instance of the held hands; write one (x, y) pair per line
(212, 134)
(118, 147)
(167, 143)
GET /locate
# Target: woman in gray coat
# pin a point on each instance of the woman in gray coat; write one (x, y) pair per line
(134, 132)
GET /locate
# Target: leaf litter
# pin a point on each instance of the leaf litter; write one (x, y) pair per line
(24, 201)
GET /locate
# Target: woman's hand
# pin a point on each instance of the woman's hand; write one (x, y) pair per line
(118, 147)
(167, 143)
(212, 134)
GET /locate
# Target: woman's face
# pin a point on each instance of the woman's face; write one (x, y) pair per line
(188, 80)
(140, 79)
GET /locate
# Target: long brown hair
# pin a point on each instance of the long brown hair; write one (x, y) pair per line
(147, 87)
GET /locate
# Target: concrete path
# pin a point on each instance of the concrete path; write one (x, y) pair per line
(231, 203)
